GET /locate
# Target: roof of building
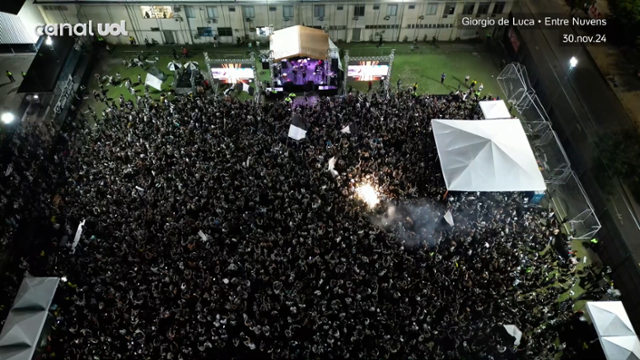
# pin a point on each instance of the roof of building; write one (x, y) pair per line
(299, 41)
(46, 67)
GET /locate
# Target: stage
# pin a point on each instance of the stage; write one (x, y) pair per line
(304, 60)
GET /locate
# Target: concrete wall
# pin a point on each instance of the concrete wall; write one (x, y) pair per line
(339, 19)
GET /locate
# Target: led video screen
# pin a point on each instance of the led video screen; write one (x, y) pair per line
(232, 73)
(367, 70)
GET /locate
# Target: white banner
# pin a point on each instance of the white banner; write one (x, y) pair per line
(154, 82)
(76, 239)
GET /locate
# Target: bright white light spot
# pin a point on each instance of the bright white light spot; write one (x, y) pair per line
(368, 194)
(35, 97)
(48, 41)
(573, 62)
(7, 118)
(64, 279)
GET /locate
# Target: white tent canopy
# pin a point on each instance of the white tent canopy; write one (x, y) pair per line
(489, 155)
(36, 293)
(617, 336)
(22, 328)
(299, 41)
(336, 53)
(495, 110)
(621, 347)
(26, 320)
(610, 318)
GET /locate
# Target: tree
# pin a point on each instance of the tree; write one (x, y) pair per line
(627, 14)
(620, 154)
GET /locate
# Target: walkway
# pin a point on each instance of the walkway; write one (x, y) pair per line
(9, 98)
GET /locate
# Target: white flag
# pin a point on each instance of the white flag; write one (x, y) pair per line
(346, 130)
(203, 236)
(76, 239)
(448, 218)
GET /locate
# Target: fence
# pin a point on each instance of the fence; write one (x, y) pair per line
(568, 197)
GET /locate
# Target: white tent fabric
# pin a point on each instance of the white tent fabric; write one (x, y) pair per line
(515, 332)
(334, 47)
(36, 293)
(610, 318)
(621, 347)
(16, 353)
(489, 155)
(495, 109)
(22, 328)
(299, 41)
(297, 133)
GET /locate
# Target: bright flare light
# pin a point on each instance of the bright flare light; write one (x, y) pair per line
(7, 118)
(48, 41)
(368, 195)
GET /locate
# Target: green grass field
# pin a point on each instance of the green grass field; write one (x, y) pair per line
(423, 65)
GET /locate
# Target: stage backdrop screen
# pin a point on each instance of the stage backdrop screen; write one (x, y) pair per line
(367, 70)
(232, 73)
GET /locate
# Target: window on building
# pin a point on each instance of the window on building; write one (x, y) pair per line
(339, 8)
(287, 11)
(205, 31)
(468, 8)
(232, 9)
(272, 8)
(249, 11)
(498, 8)
(358, 10)
(432, 9)
(212, 12)
(376, 7)
(411, 7)
(392, 10)
(155, 29)
(189, 12)
(483, 8)
(449, 9)
(225, 31)
(157, 12)
(318, 11)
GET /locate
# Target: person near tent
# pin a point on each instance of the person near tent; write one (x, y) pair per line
(442, 77)
(473, 84)
(370, 86)
(466, 80)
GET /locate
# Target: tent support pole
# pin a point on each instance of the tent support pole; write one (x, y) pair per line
(445, 194)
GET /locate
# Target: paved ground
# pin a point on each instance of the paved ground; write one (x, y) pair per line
(586, 105)
(9, 99)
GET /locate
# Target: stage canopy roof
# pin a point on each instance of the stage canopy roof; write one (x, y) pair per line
(36, 293)
(617, 336)
(299, 41)
(486, 155)
(495, 109)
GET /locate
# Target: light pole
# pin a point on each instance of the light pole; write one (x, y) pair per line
(8, 118)
(573, 62)
(49, 43)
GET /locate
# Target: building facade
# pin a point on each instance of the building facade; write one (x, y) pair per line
(199, 22)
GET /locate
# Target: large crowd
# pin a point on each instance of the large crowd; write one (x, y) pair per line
(211, 234)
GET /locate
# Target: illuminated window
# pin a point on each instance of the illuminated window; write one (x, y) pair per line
(156, 12)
